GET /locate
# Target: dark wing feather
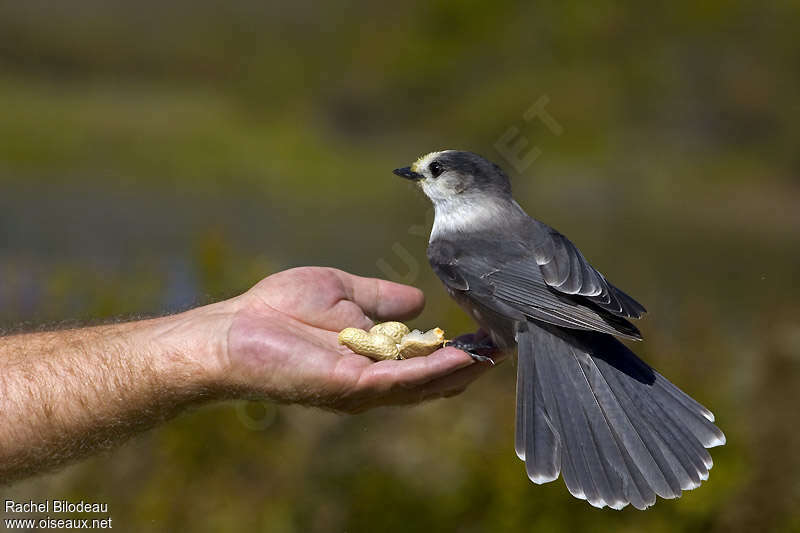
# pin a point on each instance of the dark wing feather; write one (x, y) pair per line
(517, 288)
(450, 276)
(524, 289)
(565, 269)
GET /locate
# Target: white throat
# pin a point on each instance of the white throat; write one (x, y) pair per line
(465, 214)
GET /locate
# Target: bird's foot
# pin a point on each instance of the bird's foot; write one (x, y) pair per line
(473, 348)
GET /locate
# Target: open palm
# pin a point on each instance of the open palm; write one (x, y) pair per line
(283, 344)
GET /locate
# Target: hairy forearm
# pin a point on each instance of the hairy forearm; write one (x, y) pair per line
(67, 394)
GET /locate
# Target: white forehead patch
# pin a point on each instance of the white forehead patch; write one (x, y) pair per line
(425, 160)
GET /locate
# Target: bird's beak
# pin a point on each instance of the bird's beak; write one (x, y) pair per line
(408, 174)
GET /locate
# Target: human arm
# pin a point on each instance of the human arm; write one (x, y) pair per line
(66, 394)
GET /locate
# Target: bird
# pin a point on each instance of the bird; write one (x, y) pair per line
(587, 408)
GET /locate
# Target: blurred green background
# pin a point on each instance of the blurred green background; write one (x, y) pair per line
(160, 155)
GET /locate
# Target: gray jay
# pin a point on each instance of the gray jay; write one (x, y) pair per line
(588, 408)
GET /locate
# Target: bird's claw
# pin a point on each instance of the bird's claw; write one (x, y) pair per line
(471, 349)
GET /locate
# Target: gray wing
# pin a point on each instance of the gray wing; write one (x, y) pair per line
(518, 285)
(517, 289)
(564, 268)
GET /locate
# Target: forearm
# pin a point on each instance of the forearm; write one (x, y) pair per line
(66, 394)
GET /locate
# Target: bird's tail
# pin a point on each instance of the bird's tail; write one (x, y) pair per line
(614, 428)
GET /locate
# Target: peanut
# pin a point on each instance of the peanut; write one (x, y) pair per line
(374, 345)
(395, 330)
(411, 346)
(392, 340)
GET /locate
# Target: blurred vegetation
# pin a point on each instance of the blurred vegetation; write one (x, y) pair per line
(159, 155)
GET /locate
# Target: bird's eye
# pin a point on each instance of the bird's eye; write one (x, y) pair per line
(436, 169)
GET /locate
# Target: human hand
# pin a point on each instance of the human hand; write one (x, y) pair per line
(282, 344)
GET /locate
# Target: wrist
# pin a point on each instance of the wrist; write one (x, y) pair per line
(191, 348)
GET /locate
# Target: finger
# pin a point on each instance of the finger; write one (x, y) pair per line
(447, 386)
(386, 376)
(347, 314)
(457, 381)
(383, 300)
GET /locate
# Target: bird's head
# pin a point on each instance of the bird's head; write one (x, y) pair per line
(452, 174)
